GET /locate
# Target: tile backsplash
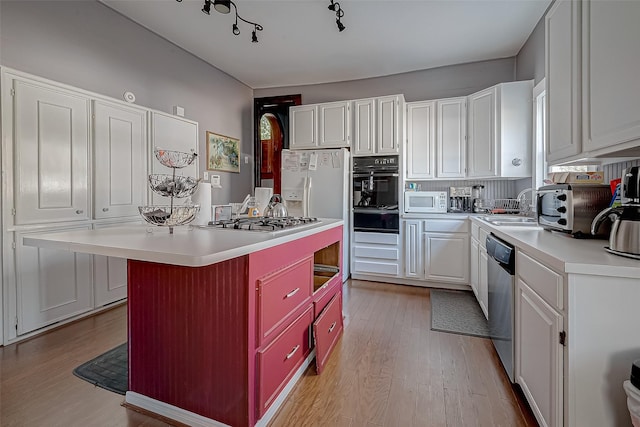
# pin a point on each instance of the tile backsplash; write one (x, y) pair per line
(614, 170)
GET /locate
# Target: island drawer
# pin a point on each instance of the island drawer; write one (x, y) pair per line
(278, 362)
(324, 294)
(544, 281)
(281, 293)
(326, 331)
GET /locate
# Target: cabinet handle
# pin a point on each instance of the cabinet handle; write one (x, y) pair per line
(292, 293)
(79, 211)
(333, 325)
(105, 209)
(290, 355)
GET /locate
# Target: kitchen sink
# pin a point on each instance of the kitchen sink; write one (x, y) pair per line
(511, 221)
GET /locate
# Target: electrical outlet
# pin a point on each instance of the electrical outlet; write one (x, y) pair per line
(205, 176)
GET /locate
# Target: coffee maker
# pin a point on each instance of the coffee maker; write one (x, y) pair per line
(624, 238)
(460, 199)
(477, 194)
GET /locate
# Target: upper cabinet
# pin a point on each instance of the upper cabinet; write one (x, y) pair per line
(499, 131)
(378, 125)
(421, 140)
(592, 60)
(451, 137)
(364, 126)
(320, 126)
(51, 143)
(119, 141)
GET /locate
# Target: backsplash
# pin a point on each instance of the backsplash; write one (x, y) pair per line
(614, 170)
(498, 189)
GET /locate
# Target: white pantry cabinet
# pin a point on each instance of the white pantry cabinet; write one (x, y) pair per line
(444, 242)
(51, 143)
(499, 131)
(376, 254)
(120, 144)
(316, 126)
(52, 285)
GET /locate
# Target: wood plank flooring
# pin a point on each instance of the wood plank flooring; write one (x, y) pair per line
(389, 369)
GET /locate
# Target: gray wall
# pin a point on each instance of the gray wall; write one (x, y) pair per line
(530, 61)
(89, 46)
(442, 82)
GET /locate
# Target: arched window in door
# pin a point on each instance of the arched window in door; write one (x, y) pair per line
(271, 150)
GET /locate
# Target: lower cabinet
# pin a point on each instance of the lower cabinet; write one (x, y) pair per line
(478, 262)
(326, 330)
(413, 257)
(444, 241)
(376, 253)
(52, 285)
(539, 332)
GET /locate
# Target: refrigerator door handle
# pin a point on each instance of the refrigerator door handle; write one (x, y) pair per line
(307, 199)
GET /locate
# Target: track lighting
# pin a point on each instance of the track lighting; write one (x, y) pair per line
(224, 6)
(335, 7)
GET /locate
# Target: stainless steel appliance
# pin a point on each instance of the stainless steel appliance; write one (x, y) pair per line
(477, 195)
(460, 199)
(501, 282)
(624, 238)
(571, 208)
(425, 201)
(375, 194)
(264, 224)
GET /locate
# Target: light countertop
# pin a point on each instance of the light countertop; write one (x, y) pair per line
(187, 246)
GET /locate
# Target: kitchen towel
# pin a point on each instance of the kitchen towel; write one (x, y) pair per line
(202, 197)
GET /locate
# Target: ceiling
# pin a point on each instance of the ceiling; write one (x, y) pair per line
(301, 44)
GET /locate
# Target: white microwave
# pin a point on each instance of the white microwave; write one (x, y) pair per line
(425, 201)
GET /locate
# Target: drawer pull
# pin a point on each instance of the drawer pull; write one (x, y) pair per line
(333, 325)
(290, 355)
(292, 293)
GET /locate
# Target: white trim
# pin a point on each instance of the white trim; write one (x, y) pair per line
(192, 419)
(411, 282)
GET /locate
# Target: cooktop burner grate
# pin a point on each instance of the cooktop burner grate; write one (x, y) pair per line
(263, 224)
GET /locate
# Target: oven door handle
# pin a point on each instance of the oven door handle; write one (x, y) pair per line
(375, 210)
(375, 175)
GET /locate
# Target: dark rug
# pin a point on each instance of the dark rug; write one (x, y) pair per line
(457, 312)
(109, 370)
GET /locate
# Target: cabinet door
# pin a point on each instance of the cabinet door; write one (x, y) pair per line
(120, 168)
(364, 129)
(421, 144)
(333, 120)
(326, 330)
(474, 256)
(51, 154)
(483, 280)
(109, 276)
(52, 284)
(610, 65)
(452, 137)
(442, 255)
(562, 29)
(482, 134)
(413, 249)
(388, 125)
(172, 133)
(539, 355)
(303, 126)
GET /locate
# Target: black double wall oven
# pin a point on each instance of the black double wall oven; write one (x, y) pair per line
(375, 194)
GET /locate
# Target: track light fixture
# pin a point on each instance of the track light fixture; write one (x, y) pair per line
(335, 7)
(224, 6)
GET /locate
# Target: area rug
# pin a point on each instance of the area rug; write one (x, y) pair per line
(457, 312)
(110, 370)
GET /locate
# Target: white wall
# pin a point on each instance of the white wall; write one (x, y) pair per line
(89, 46)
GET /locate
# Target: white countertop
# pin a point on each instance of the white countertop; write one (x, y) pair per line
(187, 246)
(565, 253)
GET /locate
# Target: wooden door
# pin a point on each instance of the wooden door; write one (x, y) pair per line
(271, 160)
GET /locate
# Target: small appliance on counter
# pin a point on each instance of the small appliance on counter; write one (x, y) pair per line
(477, 195)
(624, 238)
(425, 201)
(570, 208)
(460, 199)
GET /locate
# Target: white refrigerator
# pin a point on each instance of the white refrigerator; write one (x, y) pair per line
(316, 183)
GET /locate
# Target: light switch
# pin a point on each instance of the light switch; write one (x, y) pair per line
(205, 176)
(246, 159)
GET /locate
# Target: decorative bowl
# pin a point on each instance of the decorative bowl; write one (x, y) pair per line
(169, 216)
(173, 186)
(174, 159)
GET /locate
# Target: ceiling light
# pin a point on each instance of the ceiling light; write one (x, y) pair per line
(335, 7)
(224, 6)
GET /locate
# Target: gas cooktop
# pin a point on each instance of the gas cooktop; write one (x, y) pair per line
(263, 224)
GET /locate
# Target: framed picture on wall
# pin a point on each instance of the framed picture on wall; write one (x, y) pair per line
(223, 153)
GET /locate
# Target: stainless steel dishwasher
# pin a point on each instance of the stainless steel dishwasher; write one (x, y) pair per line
(501, 299)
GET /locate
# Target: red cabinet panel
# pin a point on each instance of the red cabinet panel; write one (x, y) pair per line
(278, 362)
(326, 331)
(323, 295)
(280, 293)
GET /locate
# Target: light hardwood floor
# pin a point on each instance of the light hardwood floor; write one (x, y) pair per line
(389, 369)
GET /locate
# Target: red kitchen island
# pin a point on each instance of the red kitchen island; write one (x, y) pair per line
(220, 334)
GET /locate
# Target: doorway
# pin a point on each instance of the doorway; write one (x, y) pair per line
(271, 136)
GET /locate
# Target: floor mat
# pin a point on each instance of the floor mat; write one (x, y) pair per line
(457, 312)
(109, 370)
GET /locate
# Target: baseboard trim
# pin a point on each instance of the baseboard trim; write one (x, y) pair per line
(410, 282)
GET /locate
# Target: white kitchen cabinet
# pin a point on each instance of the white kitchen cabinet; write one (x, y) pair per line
(499, 131)
(52, 285)
(172, 133)
(120, 144)
(451, 137)
(334, 125)
(364, 126)
(303, 127)
(413, 257)
(474, 268)
(483, 279)
(444, 240)
(421, 140)
(51, 143)
(538, 348)
(478, 263)
(376, 254)
(610, 67)
(563, 80)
